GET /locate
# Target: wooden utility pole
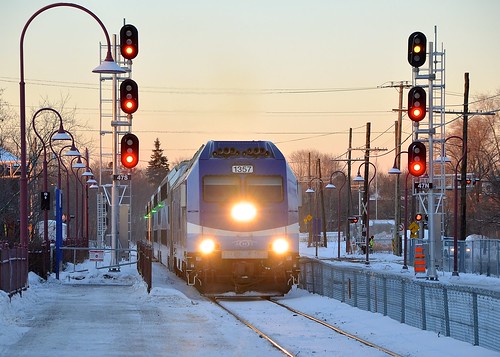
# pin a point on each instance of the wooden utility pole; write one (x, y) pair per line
(367, 172)
(397, 247)
(463, 190)
(349, 195)
(309, 223)
(397, 190)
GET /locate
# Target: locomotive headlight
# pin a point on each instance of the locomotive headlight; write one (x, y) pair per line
(207, 246)
(243, 212)
(280, 246)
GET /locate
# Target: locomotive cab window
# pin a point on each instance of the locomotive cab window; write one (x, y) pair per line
(220, 188)
(265, 188)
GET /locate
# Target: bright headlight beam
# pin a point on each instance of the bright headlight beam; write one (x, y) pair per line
(243, 212)
(207, 246)
(280, 246)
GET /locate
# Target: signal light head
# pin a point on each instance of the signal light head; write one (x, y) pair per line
(353, 219)
(417, 43)
(129, 41)
(416, 103)
(129, 151)
(129, 96)
(416, 158)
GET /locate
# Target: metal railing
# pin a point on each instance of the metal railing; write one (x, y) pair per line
(145, 263)
(464, 313)
(13, 269)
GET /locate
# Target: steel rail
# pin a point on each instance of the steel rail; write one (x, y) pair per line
(336, 329)
(255, 329)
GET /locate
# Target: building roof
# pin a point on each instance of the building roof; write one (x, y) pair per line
(6, 156)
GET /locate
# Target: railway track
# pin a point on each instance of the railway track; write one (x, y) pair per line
(296, 333)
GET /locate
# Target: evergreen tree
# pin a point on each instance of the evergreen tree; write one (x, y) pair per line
(158, 165)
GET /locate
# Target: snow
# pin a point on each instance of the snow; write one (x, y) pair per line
(174, 309)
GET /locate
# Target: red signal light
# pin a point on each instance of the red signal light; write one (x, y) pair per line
(418, 217)
(129, 51)
(129, 96)
(129, 151)
(416, 103)
(416, 158)
(129, 41)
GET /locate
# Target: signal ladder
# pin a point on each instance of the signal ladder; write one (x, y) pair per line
(422, 129)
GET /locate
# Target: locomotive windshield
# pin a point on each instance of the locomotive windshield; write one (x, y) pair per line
(265, 188)
(259, 188)
(220, 188)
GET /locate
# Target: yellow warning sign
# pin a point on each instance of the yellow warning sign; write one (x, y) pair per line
(413, 227)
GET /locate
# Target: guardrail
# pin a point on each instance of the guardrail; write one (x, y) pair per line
(145, 263)
(13, 269)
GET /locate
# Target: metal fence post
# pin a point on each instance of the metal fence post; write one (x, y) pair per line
(475, 319)
(446, 312)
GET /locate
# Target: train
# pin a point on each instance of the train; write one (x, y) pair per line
(226, 221)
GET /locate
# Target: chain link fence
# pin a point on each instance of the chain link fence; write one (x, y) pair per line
(478, 256)
(464, 313)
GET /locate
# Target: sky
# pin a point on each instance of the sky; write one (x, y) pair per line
(298, 73)
(174, 308)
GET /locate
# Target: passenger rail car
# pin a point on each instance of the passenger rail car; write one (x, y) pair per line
(227, 220)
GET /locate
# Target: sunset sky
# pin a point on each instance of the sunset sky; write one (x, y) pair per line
(299, 73)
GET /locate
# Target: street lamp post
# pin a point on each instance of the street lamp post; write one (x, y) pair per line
(311, 190)
(71, 152)
(59, 203)
(84, 228)
(76, 166)
(331, 185)
(89, 179)
(61, 135)
(358, 178)
(108, 66)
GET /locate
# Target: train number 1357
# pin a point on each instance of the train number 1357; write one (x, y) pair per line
(242, 169)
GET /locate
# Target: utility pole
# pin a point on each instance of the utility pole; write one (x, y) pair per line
(463, 189)
(349, 197)
(365, 213)
(397, 187)
(397, 145)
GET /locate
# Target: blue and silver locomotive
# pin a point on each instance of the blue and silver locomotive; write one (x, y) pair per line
(227, 220)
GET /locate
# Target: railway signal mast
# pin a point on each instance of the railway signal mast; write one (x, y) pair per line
(417, 99)
(124, 96)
